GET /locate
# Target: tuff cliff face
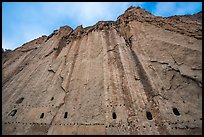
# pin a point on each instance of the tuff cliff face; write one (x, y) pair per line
(141, 74)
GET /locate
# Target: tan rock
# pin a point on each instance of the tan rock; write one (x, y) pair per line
(139, 75)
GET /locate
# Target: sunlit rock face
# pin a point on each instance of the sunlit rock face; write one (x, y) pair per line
(139, 75)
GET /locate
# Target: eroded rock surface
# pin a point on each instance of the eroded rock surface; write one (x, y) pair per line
(141, 74)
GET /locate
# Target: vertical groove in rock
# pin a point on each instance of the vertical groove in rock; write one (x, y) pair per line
(143, 77)
(147, 86)
(73, 64)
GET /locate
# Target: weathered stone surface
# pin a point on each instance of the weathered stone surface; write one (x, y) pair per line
(138, 75)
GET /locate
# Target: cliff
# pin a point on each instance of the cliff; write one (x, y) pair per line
(141, 74)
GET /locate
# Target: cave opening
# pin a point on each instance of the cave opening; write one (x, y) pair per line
(149, 115)
(13, 112)
(65, 114)
(20, 100)
(42, 115)
(114, 115)
(176, 112)
(52, 98)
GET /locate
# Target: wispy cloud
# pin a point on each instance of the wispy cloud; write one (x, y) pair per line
(176, 8)
(85, 13)
(23, 22)
(7, 43)
(26, 21)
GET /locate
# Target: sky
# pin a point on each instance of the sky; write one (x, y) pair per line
(25, 21)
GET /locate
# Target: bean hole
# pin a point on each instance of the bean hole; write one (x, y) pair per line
(149, 115)
(20, 100)
(42, 115)
(13, 112)
(65, 114)
(176, 112)
(114, 115)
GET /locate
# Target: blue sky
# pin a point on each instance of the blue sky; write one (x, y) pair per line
(25, 21)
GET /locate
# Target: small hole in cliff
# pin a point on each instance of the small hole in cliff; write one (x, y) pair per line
(13, 112)
(176, 112)
(52, 98)
(114, 115)
(65, 115)
(149, 115)
(20, 100)
(42, 115)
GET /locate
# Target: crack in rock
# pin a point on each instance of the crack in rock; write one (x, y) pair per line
(49, 53)
(113, 48)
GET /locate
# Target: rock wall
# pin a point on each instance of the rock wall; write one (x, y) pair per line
(138, 75)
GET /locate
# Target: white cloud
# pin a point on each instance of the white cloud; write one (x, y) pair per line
(84, 13)
(176, 8)
(37, 19)
(90, 13)
(6, 44)
(32, 31)
(164, 8)
(23, 33)
(188, 8)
